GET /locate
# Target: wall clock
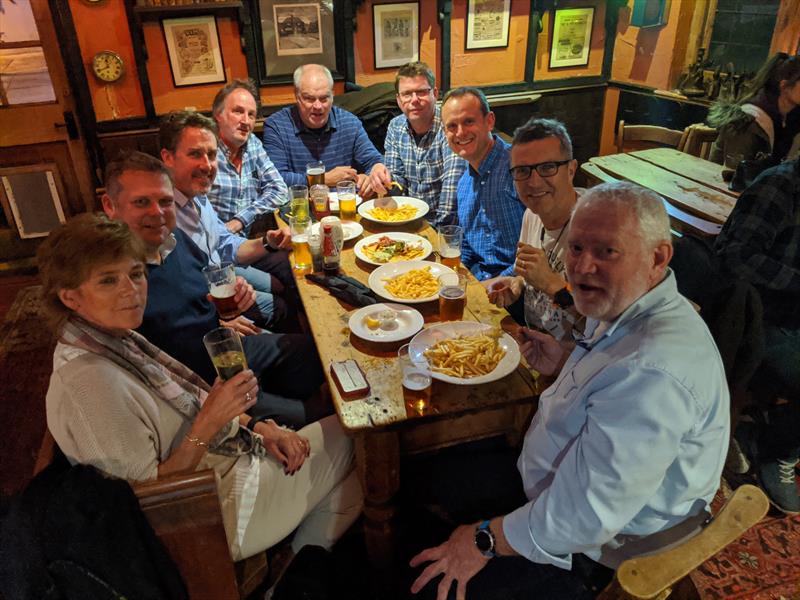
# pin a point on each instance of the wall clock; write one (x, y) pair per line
(108, 66)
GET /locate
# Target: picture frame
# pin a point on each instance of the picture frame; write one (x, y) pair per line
(487, 24)
(572, 37)
(294, 33)
(194, 52)
(396, 31)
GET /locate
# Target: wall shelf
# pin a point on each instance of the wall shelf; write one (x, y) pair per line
(176, 10)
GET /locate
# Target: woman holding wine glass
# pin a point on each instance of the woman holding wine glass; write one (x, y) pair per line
(119, 403)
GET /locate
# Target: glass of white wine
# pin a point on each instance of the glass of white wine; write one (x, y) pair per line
(224, 346)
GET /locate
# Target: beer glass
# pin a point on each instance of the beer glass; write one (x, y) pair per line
(452, 295)
(298, 196)
(222, 286)
(319, 200)
(450, 238)
(416, 382)
(224, 346)
(300, 228)
(315, 173)
(346, 193)
(315, 245)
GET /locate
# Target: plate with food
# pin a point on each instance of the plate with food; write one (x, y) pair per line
(407, 210)
(385, 322)
(411, 282)
(333, 199)
(350, 229)
(383, 248)
(465, 352)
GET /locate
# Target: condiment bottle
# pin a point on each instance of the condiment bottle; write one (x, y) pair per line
(330, 251)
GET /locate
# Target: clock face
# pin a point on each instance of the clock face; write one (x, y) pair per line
(107, 66)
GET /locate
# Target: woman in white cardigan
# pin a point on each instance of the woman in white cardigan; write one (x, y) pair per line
(117, 402)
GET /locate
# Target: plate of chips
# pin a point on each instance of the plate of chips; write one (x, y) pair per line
(465, 352)
(383, 248)
(411, 282)
(407, 210)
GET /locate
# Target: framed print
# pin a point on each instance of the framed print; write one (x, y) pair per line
(487, 23)
(193, 48)
(295, 33)
(396, 29)
(572, 36)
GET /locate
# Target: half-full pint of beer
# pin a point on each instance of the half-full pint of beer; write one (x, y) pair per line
(224, 299)
(451, 303)
(224, 347)
(450, 257)
(417, 389)
(301, 251)
(229, 363)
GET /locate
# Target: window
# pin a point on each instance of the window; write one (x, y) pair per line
(742, 33)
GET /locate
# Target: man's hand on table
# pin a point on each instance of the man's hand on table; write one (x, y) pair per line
(503, 291)
(338, 174)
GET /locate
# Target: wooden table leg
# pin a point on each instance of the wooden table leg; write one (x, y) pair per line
(378, 464)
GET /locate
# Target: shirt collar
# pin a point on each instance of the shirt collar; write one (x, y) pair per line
(300, 127)
(180, 199)
(436, 125)
(225, 151)
(164, 249)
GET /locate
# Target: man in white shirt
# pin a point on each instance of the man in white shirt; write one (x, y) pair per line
(628, 444)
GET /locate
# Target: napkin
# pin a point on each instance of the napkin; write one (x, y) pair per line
(345, 288)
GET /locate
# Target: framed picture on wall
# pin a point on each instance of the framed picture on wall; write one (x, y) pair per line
(396, 28)
(572, 37)
(487, 23)
(193, 48)
(294, 33)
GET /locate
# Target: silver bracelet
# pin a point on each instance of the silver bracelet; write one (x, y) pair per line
(196, 441)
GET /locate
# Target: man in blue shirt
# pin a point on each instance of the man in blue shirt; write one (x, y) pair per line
(417, 153)
(489, 209)
(314, 130)
(627, 447)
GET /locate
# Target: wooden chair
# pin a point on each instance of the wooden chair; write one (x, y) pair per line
(665, 574)
(642, 137)
(699, 140)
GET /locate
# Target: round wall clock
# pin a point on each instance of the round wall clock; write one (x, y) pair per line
(108, 66)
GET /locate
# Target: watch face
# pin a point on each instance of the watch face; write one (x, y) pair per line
(483, 540)
(107, 66)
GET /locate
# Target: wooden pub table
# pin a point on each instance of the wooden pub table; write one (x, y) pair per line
(382, 426)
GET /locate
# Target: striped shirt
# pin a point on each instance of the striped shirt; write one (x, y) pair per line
(342, 142)
(491, 214)
(426, 167)
(244, 195)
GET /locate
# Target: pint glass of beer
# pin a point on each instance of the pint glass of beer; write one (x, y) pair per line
(416, 382)
(346, 193)
(301, 228)
(452, 295)
(298, 196)
(450, 238)
(315, 173)
(224, 346)
(222, 286)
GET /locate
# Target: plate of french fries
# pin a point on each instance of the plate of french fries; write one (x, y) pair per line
(383, 248)
(465, 352)
(407, 210)
(409, 282)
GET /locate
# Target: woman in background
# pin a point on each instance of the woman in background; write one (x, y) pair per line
(119, 403)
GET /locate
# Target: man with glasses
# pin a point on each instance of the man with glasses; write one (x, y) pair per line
(542, 168)
(488, 207)
(314, 130)
(418, 156)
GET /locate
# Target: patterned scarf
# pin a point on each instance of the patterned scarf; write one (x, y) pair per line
(167, 378)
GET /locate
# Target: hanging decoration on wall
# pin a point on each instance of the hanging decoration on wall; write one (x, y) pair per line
(297, 28)
(396, 28)
(193, 47)
(108, 66)
(487, 23)
(572, 37)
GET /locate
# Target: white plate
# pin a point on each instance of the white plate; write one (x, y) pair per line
(350, 229)
(390, 270)
(410, 238)
(333, 199)
(409, 322)
(442, 331)
(422, 210)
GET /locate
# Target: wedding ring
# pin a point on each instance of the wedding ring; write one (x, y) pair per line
(247, 396)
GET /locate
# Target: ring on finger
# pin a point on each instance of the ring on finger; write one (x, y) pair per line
(247, 396)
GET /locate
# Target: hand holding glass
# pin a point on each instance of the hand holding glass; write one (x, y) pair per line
(224, 346)
(222, 286)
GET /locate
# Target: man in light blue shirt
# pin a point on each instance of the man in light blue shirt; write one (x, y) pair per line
(626, 450)
(489, 209)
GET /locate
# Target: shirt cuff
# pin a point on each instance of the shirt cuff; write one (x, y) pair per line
(517, 530)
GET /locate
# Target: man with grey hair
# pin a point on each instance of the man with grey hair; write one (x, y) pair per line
(314, 130)
(627, 447)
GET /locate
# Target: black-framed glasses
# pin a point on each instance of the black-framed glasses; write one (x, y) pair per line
(544, 169)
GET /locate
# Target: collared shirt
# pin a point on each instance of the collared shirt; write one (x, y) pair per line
(629, 441)
(256, 189)
(760, 241)
(491, 214)
(197, 219)
(426, 167)
(341, 142)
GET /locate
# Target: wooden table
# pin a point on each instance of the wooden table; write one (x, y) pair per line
(688, 182)
(382, 426)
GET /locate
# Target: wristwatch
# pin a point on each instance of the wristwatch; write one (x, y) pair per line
(484, 540)
(266, 245)
(563, 298)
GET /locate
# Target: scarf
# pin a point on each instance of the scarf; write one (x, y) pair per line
(167, 378)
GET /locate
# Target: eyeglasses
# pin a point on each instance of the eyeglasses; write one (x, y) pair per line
(544, 169)
(408, 95)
